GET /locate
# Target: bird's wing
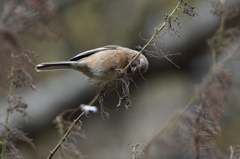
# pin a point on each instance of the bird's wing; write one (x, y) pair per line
(93, 51)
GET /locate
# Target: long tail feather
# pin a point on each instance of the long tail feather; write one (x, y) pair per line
(51, 66)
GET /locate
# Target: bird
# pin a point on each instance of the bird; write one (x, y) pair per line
(100, 65)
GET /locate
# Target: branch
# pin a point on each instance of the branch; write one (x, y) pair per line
(106, 86)
(11, 87)
(65, 136)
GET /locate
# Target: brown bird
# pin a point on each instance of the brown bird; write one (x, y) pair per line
(100, 65)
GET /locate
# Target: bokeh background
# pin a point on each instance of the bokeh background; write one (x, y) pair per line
(86, 24)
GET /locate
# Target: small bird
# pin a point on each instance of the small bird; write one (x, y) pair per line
(100, 65)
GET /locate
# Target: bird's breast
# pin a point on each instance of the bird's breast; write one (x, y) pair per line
(102, 66)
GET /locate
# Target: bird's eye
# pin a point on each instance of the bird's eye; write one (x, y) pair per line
(135, 63)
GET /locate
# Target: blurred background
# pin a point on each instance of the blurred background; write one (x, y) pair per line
(80, 25)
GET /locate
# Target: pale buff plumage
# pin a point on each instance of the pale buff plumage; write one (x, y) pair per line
(100, 64)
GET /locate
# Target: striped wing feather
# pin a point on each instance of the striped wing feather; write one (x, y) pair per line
(93, 51)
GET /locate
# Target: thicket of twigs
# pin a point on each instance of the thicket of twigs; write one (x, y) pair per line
(194, 128)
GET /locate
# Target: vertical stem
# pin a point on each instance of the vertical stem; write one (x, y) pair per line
(221, 30)
(4, 143)
(196, 133)
(217, 52)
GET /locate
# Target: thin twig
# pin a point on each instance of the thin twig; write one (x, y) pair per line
(65, 136)
(94, 100)
(154, 36)
(11, 87)
(216, 52)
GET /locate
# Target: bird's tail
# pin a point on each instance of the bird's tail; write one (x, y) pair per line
(52, 66)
